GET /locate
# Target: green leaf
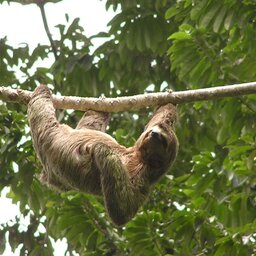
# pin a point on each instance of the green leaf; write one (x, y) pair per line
(198, 9)
(171, 12)
(131, 37)
(2, 241)
(228, 23)
(219, 19)
(212, 10)
(92, 241)
(180, 36)
(139, 36)
(147, 34)
(199, 70)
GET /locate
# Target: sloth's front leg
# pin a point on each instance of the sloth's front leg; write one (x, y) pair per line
(122, 198)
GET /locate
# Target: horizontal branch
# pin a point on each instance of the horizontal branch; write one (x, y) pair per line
(133, 102)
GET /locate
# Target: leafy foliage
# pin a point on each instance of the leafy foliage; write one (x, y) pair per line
(206, 205)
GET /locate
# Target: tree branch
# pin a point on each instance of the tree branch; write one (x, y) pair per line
(133, 102)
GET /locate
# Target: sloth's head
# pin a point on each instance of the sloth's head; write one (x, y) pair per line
(158, 146)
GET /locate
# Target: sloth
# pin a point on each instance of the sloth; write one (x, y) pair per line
(89, 160)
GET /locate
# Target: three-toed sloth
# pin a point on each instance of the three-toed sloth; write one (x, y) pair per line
(89, 160)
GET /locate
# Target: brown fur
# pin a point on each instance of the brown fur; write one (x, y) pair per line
(88, 160)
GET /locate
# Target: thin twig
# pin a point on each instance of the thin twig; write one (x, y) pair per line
(247, 105)
(47, 30)
(133, 102)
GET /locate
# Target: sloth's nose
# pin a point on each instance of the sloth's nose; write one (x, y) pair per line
(155, 135)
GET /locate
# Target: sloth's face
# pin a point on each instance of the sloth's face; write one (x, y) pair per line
(156, 136)
(156, 145)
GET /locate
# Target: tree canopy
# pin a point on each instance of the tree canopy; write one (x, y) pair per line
(206, 205)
